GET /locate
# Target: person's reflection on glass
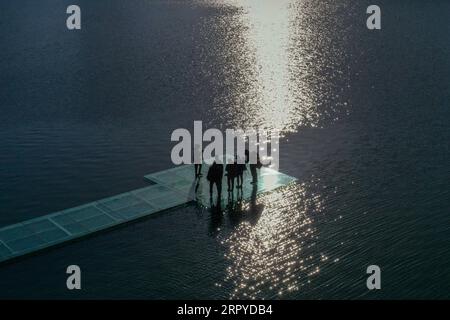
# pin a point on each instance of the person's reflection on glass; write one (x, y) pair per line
(255, 210)
(253, 196)
(240, 194)
(230, 201)
(237, 213)
(216, 219)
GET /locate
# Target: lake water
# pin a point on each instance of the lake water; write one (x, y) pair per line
(365, 121)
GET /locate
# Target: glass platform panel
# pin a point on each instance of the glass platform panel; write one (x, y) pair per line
(182, 179)
(174, 187)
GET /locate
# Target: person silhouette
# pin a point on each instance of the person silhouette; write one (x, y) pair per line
(197, 156)
(253, 166)
(214, 176)
(240, 168)
(231, 169)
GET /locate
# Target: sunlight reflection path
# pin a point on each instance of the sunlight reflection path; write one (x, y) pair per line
(264, 249)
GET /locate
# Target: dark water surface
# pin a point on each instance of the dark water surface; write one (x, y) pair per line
(85, 114)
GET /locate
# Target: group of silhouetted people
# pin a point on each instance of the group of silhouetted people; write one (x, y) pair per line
(234, 171)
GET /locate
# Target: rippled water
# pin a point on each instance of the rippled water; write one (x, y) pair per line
(364, 119)
(265, 259)
(280, 65)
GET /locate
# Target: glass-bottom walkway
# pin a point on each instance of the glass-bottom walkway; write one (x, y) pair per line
(171, 188)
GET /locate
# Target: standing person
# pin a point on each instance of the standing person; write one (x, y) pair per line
(231, 169)
(215, 174)
(253, 166)
(240, 172)
(197, 155)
